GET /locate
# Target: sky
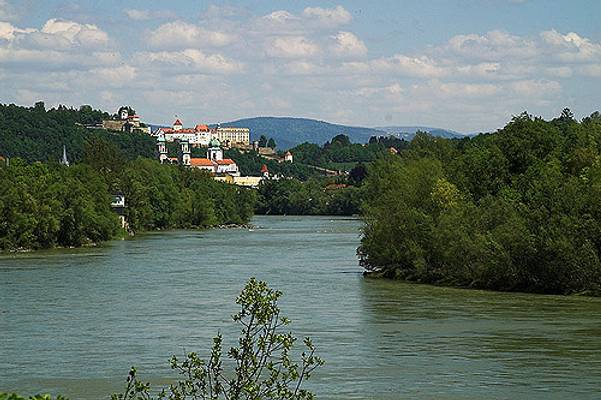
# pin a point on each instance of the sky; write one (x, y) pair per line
(465, 65)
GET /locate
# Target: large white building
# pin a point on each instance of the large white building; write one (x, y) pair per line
(201, 135)
(233, 136)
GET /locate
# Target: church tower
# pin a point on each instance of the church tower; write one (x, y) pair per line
(183, 154)
(64, 160)
(214, 153)
(161, 149)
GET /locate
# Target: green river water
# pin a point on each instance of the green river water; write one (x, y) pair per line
(74, 321)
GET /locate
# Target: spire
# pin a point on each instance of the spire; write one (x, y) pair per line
(65, 160)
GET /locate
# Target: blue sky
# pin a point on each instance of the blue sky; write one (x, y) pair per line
(463, 64)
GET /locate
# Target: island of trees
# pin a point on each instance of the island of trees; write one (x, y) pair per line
(515, 210)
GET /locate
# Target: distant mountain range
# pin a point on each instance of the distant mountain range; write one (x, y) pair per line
(288, 131)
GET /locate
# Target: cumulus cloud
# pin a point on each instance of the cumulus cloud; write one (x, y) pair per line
(80, 34)
(181, 35)
(328, 16)
(572, 47)
(493, 46)
(422, 66)
(346, 44)
(291, 47)
(191, 60)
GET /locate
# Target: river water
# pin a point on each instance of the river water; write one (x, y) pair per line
(74, 321)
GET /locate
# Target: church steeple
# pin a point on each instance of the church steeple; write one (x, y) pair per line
(64, 160)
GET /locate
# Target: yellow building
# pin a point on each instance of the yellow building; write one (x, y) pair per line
(233, 136)
(247, 181)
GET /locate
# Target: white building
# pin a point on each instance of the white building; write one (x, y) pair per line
(233, 136)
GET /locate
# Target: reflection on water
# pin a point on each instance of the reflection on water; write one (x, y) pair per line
(74, 321)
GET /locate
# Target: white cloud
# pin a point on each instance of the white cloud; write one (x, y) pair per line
(81, 34)
(190, 60)
(6, 12)
(493, 46)
(8, 31)
(138, 15)
(145, 15)
(572, 47)
(181, 35)
(535, 88)
(328, 16)
(291, 47)
(422, 66)
(346, 44)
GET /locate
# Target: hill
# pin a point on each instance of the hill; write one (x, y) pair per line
(289, 132)
(408, 132)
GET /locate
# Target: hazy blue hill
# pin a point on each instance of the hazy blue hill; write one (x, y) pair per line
(407, 132)
(288, 132)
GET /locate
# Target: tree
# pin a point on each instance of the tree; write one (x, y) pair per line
(259, 367)
(271, 143)
(358, 174)
(263, 141)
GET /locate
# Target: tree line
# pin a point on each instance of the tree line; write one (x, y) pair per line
(44, 205)
(514, 210)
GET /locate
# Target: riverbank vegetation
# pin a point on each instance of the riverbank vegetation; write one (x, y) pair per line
(50, 205)
(516, 210)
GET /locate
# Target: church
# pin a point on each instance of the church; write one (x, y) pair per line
(214, 163)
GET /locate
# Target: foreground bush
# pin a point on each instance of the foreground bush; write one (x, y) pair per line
(259, 367)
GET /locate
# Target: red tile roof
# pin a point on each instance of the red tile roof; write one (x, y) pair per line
(177, 122)
(226, 161)
(201, 162)
(264, 169)
(201, 128)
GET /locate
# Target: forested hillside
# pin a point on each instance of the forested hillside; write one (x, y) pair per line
(515, 210)
(37, 134)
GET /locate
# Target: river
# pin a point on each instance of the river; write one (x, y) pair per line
(74, 321)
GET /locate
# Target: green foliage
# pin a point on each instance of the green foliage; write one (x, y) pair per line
(260, 366)
(313, 197)
(14, 396)
(48, 205)
(166, 196)
(37, 134)
(515, 210)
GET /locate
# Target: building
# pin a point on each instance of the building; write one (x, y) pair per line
(214, 163)
(125, 120)
(199, 136)
(288, 157)
(233, 136)
(64, 160)
(118, 206)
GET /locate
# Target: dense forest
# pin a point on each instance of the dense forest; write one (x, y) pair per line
(37, 134)
(515, 210)
(340, 154)
(317, 196)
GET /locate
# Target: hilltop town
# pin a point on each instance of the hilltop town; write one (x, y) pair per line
(213, 139)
